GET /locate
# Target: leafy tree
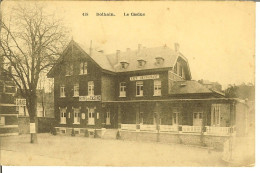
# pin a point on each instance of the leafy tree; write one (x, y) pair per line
(31, 39)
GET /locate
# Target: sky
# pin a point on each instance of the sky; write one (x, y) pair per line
(217, 38)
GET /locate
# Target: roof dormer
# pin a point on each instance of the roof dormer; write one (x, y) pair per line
(159, 60)
(124, 64)
(141, 62)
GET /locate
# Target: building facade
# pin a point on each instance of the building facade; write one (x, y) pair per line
(148, 89)
(8, 113)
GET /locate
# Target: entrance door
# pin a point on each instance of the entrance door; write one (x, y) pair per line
(197, 119)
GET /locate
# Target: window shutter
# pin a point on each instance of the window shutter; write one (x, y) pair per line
(83, 116)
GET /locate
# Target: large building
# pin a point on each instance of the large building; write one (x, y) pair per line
(148, 89)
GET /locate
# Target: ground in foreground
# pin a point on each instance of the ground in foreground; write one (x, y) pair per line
(81, 151)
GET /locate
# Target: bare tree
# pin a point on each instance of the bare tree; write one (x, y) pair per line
(31, 40)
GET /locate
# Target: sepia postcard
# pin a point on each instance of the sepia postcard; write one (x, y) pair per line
(127, 83)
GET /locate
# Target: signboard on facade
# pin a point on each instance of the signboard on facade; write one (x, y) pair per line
(145, 77)
(32, 128)
(21, 102)
(90, 98)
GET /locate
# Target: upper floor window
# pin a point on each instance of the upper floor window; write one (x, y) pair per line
(63, 116)
(90, 88)
(62, 91)
(76, 116)
(141, 62)
(175, 68)
(157, 88)
(69, 69)
(122, 92)
(139, 88)
(76, 90)
(180, 71)
(124, 64)
(84, 68)
(159, 60)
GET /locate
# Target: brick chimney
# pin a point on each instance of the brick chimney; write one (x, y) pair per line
(118, 58)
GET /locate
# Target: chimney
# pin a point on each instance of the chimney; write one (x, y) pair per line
(177, 47)
(139, 47)
(118, 55)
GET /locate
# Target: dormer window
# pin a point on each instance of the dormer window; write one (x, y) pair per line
(141, 62)
(124, 64)
(159, 60)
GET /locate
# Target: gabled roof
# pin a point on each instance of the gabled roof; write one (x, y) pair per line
(190, 87)
(111, 62)
(99, 57)
(147, 54)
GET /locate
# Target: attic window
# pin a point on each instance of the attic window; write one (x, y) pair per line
(124, 64)
(159, 60)
(141, 62)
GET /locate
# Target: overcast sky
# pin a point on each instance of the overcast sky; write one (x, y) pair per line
(217, 38)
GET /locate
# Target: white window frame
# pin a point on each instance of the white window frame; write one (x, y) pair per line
(91, 86)
(69, 69)
(175, 120)
(83, 67)
(2, 120)
(141, 117)
(76, 90)
(157, 89)
(76, 116)
(108, 116)
(91, 116)
(140, 86)
(122, 89)
(62, 91)
(63, 119)
(215, 115)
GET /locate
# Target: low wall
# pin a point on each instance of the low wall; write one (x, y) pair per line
(216, 142)
(44, 125)
(24, 125)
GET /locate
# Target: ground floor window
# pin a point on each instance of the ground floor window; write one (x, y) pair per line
(76, 116)
(91, 119)
(175, 118)
(215, 114)
(197, 118)
(63, 116)
(108, 118)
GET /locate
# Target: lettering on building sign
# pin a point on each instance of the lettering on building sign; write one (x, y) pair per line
(21, 102)
(90, 98)
(145, 77)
